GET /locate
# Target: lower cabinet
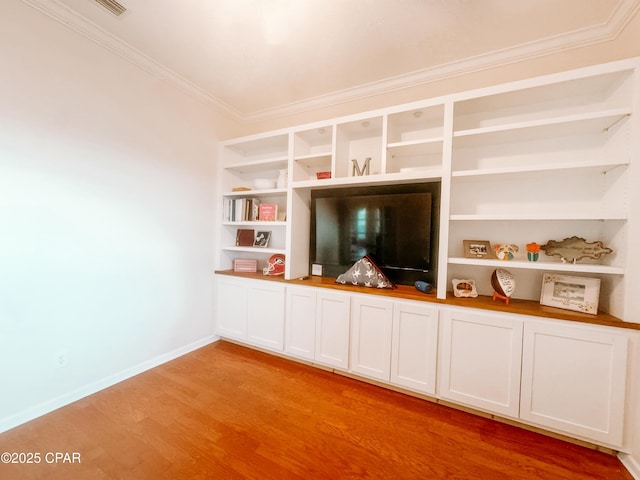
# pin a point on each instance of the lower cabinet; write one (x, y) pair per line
(480, 357)
(332, 328)
(573, 380)
(371, 327)
(250, 311)
(563, 376)
(300, 322)
(390, 341)
(317, 326)
(414, 346)
(231, 307)
(265, 315)
(395, 342)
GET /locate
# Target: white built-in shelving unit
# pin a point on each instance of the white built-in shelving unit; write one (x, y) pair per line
(243, 163)
(531, 161)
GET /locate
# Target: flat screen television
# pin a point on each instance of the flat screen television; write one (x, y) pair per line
(396, 225)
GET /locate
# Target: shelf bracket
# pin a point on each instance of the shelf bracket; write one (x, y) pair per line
(606, 129)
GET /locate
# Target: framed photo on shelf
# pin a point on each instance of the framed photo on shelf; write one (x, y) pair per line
(262, 239)
(244, 237)
(477, 248)
(580, 294)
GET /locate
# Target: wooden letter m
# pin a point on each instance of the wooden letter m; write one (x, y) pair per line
(356, 171)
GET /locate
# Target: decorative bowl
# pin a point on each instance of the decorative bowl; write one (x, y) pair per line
(264, 183)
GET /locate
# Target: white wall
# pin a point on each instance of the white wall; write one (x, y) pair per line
(106, 225)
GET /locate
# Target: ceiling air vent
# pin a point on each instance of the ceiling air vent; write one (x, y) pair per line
(113, 6)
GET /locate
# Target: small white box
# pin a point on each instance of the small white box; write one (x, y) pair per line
(316, 269)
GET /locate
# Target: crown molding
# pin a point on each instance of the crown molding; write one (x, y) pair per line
(599, 33)
(90, 30)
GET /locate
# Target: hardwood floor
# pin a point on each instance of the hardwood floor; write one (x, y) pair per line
(228, 412)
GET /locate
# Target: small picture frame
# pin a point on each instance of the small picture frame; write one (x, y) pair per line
(464, 288)
(477, 248)
(580, 294)
(262, 239)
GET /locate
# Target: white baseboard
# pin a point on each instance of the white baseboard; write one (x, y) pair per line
(630, 464)
(75, 395)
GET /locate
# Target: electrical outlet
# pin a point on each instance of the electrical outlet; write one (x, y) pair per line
(62, 359)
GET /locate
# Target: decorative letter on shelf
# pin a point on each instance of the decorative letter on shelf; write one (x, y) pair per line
(356, 171)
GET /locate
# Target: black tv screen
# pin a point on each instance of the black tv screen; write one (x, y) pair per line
(397, 226)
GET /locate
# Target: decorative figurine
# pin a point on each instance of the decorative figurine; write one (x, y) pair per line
(533, 251)
(505, 251)
(575, 248)
(503, 284)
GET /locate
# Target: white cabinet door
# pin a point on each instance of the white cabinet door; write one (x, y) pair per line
(573, 380)
(231, 308)
(251, 311)
(265, 315)
(414, 346)
(300, 322)
(480, 359)
(332, 329)
(371, 321)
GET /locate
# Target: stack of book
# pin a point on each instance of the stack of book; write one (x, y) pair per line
(249, 210)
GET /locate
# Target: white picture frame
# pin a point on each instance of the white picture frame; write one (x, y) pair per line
(580, 294)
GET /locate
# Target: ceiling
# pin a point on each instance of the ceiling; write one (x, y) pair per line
(262, 58)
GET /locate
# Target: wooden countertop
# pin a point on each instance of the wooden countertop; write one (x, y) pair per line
(518, 306)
